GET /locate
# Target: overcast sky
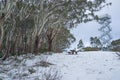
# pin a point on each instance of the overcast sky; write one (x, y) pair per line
(90, 29)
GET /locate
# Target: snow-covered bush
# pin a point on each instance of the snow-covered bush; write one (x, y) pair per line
(43, 61)
(51, 74)
(118, 54)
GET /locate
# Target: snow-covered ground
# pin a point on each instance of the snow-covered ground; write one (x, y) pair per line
(96, 65)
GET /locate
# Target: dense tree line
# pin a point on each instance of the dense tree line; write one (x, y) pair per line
(95, 45)
(115, 45)
(28, 26)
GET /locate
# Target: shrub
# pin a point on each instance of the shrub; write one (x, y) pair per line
(42, 50)
(51, 74)
(1, 54)
(91, 49)
(116, 49)
(31, 70)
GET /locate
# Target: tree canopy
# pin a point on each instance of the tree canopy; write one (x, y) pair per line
(26, 24)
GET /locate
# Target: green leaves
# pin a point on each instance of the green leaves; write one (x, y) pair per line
(64, 39)
(116, 42)
(80, 44)
(115, 45)
(95, 42)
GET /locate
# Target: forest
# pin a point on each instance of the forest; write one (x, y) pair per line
(33, 26)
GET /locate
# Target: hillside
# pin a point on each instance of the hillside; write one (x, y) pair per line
(84, 66)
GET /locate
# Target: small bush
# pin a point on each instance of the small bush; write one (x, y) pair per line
(45, 64)
(37, 78)
(43, 50)
(31, 70)
(116, 49)
(24, 74)
(91, 49)
(51, 74)
(118, 54)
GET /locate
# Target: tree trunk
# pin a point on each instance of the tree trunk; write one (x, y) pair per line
(1, 37)
(7, 51)
(50, 45)
(36, 45)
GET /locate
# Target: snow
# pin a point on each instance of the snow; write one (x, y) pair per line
(93, 65)
(89, 66)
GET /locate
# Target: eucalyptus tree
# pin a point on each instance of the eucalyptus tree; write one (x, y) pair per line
(62, 40)
(105, 28)
(80, 45)
(11, 11)
(95, 42)
(92, 41)
(6, 8)
(5, 12)
(66, 11)
(46, 15)
(52, 34)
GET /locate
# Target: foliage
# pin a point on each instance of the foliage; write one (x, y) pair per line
(26, 24)
(1, 54)
(116, 42)
(31, 70)
(80, 45)
(51, 74)
(95, 42)
(105, 29)
(115, 45)
(63, 40)
(42, 50)
(91, 49)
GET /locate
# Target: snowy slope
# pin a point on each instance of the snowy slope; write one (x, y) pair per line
(84, 66)
(88, 66)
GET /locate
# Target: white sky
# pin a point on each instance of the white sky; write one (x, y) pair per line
(90, 29)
